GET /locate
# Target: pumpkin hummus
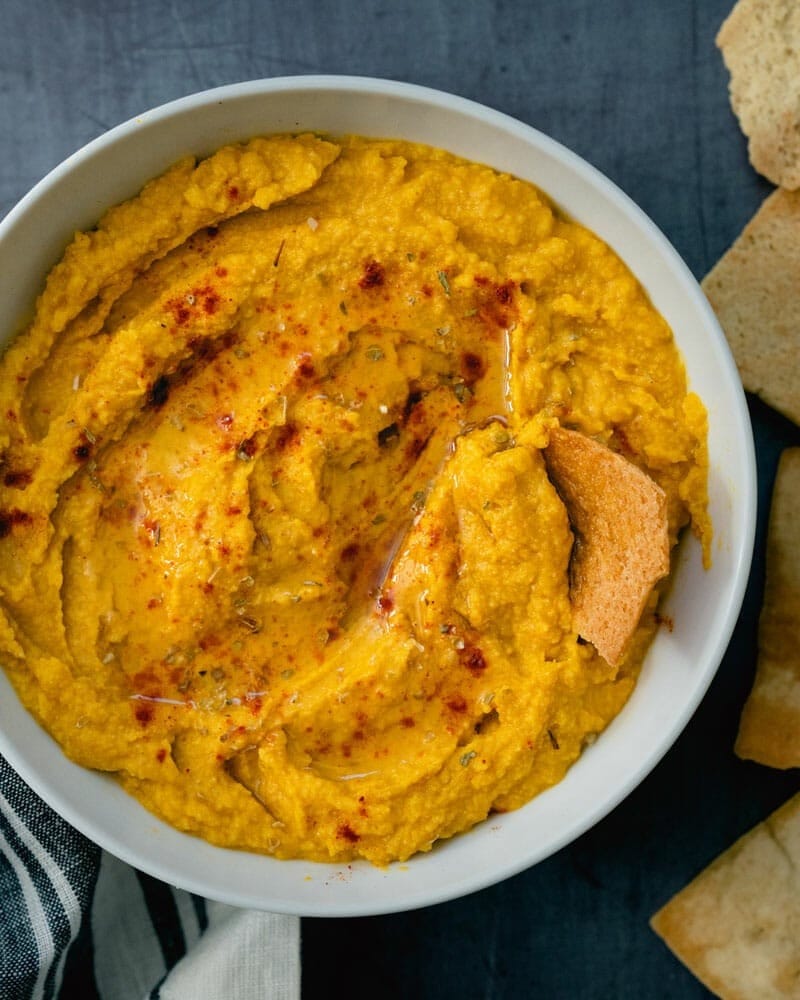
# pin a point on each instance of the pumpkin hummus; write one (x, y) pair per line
(278, 547)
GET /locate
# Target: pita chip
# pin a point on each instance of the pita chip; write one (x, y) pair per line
(769, 730)
(737, 925)
(619, 517)
(760, 44)
(754, 291)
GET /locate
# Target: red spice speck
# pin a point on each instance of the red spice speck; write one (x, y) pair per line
(346, 832)
(82, 451)
(373, 276)
(161, 755)
(10, 518)
(385, 603)
(504, 293)
(457, 703)
(18, 480)
(144, 714)
(407, 722)
(203, 297)
(220, 271)
(349, 552)
(225, 421)
(495, 306)
(233, 192)
(472, 367)
(415, 447)
(305, 368)
(285, 436)
(472, 658)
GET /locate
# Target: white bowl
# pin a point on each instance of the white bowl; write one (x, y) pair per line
(703, 604)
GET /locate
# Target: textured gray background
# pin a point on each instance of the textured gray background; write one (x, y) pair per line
(637, 88)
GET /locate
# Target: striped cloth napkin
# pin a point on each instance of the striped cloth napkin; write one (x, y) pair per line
(76, 922)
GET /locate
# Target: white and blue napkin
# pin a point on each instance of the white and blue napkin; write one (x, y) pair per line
(77, 922)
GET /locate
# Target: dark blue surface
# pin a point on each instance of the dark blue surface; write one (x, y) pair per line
(638, 89)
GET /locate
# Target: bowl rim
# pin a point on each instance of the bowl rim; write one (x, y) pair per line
(55, 793)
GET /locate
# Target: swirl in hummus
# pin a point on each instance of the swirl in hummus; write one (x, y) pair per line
(278, 547)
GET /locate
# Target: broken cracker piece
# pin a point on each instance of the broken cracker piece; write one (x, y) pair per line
(760, 45)
(769, 729)
(737, 925)
(753, 291)
(619, 517)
